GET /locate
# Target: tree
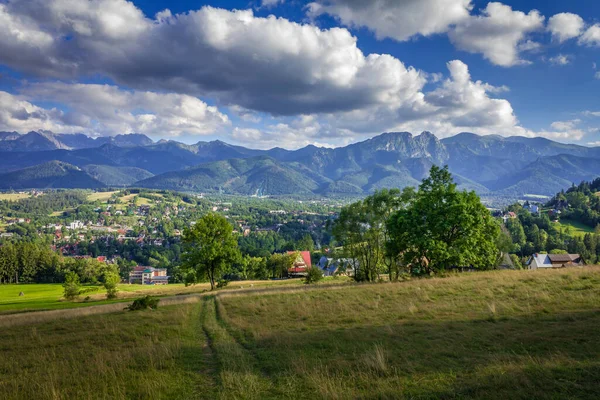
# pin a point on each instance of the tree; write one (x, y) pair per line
(362, 231)
(444, 228)
(279, 264)
(71, 285)
(306, 243)
(210, 246)
(111, 279)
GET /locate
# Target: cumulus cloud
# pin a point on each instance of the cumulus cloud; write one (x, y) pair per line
(105, 110)
(564, 130)
(395, 19)
(565, 26)
(466, 103)
(316, 84)
(591, 36)
(458, 104)
(18, 114)
(265, 64)
(497, 33)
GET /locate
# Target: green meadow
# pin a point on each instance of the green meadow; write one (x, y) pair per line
(488, 335)
(573, 228)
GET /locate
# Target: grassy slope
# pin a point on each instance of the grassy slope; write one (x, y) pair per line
(100, 196)
(495, 335)
(141, 355)
(575, 228)
(486, 335)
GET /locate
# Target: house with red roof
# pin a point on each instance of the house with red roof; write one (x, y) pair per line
(301, 264)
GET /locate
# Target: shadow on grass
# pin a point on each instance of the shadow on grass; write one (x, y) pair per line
(544, 357)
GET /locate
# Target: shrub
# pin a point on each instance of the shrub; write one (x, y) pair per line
(314, 275)
(222, 283)
(143, 303)
(71, 286)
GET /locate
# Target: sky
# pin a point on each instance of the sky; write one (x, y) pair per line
(289, 73)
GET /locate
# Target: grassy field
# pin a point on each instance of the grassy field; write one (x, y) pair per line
(14, 196)
(49, 296)
(492, 335)
(573, 228)
(101, 196)
(145, 355)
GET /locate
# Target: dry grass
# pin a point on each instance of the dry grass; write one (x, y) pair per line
(512, 334)
(493, 335)
(100, 196)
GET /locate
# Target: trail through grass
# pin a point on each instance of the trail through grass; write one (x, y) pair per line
(490, 335)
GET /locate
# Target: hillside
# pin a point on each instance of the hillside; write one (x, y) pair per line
(53, 174)
(116, 176)
(259, 175)
(490, 335)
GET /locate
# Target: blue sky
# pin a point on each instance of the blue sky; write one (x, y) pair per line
(324, 72)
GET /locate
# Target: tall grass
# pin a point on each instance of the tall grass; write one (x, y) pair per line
(117, 356)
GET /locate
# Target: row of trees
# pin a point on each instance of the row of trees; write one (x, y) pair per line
(30, 262)
(418, 232)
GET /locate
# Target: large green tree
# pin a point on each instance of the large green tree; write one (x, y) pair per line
(210, 247)
(362, 231)
(443, 228)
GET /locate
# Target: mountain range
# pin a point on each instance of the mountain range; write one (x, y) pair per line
(496, 166)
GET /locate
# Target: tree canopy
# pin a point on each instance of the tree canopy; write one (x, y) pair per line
(444, 228)
(210, 248)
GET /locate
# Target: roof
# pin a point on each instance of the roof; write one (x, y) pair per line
(563, 258)
(305, 257)
(552, 259)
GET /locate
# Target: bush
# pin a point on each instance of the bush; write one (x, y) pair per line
(222, 283)
(144, 303)
(314, 275)
(71, 286)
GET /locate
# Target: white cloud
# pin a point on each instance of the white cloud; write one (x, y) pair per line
(465, 103)
(591, 113)
(597, 75)
(318, 86)
(396, 19)
(105, 110)
(18, 114)
(560, 59)
(565, 26)
(497, 33)
(529, 46)
(565, 125)
(564, 131)
(594, 144)
(265, 64)
(591, 37)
